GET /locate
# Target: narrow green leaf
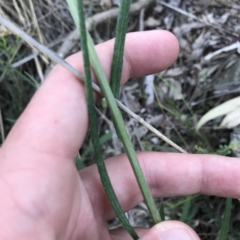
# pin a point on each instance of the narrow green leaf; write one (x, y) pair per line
(122, 132)
(162, 211)
(94, 128)
(117, 63)
(102, 140)
(79, 163)
(73, 7)
(186, 208)
(226, 220)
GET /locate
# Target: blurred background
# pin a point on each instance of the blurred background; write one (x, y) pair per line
(205, 75)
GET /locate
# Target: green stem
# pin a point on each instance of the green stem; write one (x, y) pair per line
(226, 220)
(117, 63)
(120, 127)
(94, 129)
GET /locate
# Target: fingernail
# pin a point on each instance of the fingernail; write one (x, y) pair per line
(176, 234)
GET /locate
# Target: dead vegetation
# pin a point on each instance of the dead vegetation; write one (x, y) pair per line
(205, 75)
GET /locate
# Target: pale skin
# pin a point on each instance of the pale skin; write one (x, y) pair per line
(43, 196)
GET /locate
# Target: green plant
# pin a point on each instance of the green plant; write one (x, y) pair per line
(16, 85)
(88, 46)
(175, 111)
(93, 126)
(117, 62)
(223, 150)
(226, 220)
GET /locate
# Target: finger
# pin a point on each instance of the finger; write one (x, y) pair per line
(122, 234)
(167, 175)
(170, 230)
(56, 120)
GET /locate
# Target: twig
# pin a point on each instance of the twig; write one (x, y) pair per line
(39, 69)
(141, 20)
(33, 55)
(35, 23)
(179, 10)
(231, 47)
(232, 5)
(24, 60)
(26, 20)
(19, 12)
(150, 127)
(54, 57)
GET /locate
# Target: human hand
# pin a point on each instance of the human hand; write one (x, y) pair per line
(43, 196)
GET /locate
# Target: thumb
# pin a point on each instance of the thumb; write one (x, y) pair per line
(170, 230)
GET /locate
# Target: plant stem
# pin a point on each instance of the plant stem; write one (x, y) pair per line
(94, 129)
(226, 220)
(117, 62)
(120, 127)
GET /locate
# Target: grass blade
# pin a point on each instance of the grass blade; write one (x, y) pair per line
(117, 63)
(121, 130)
(226, 220)
(79, 163)
(94, 128)
(102, 140)
(186, 208)
(162, 211)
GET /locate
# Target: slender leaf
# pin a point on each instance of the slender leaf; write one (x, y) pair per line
(121, 130)
(79, 163)
(162, 211)
(102, 140)
(186, 208)
(117, 63)
(94, 128)
(226, 220)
